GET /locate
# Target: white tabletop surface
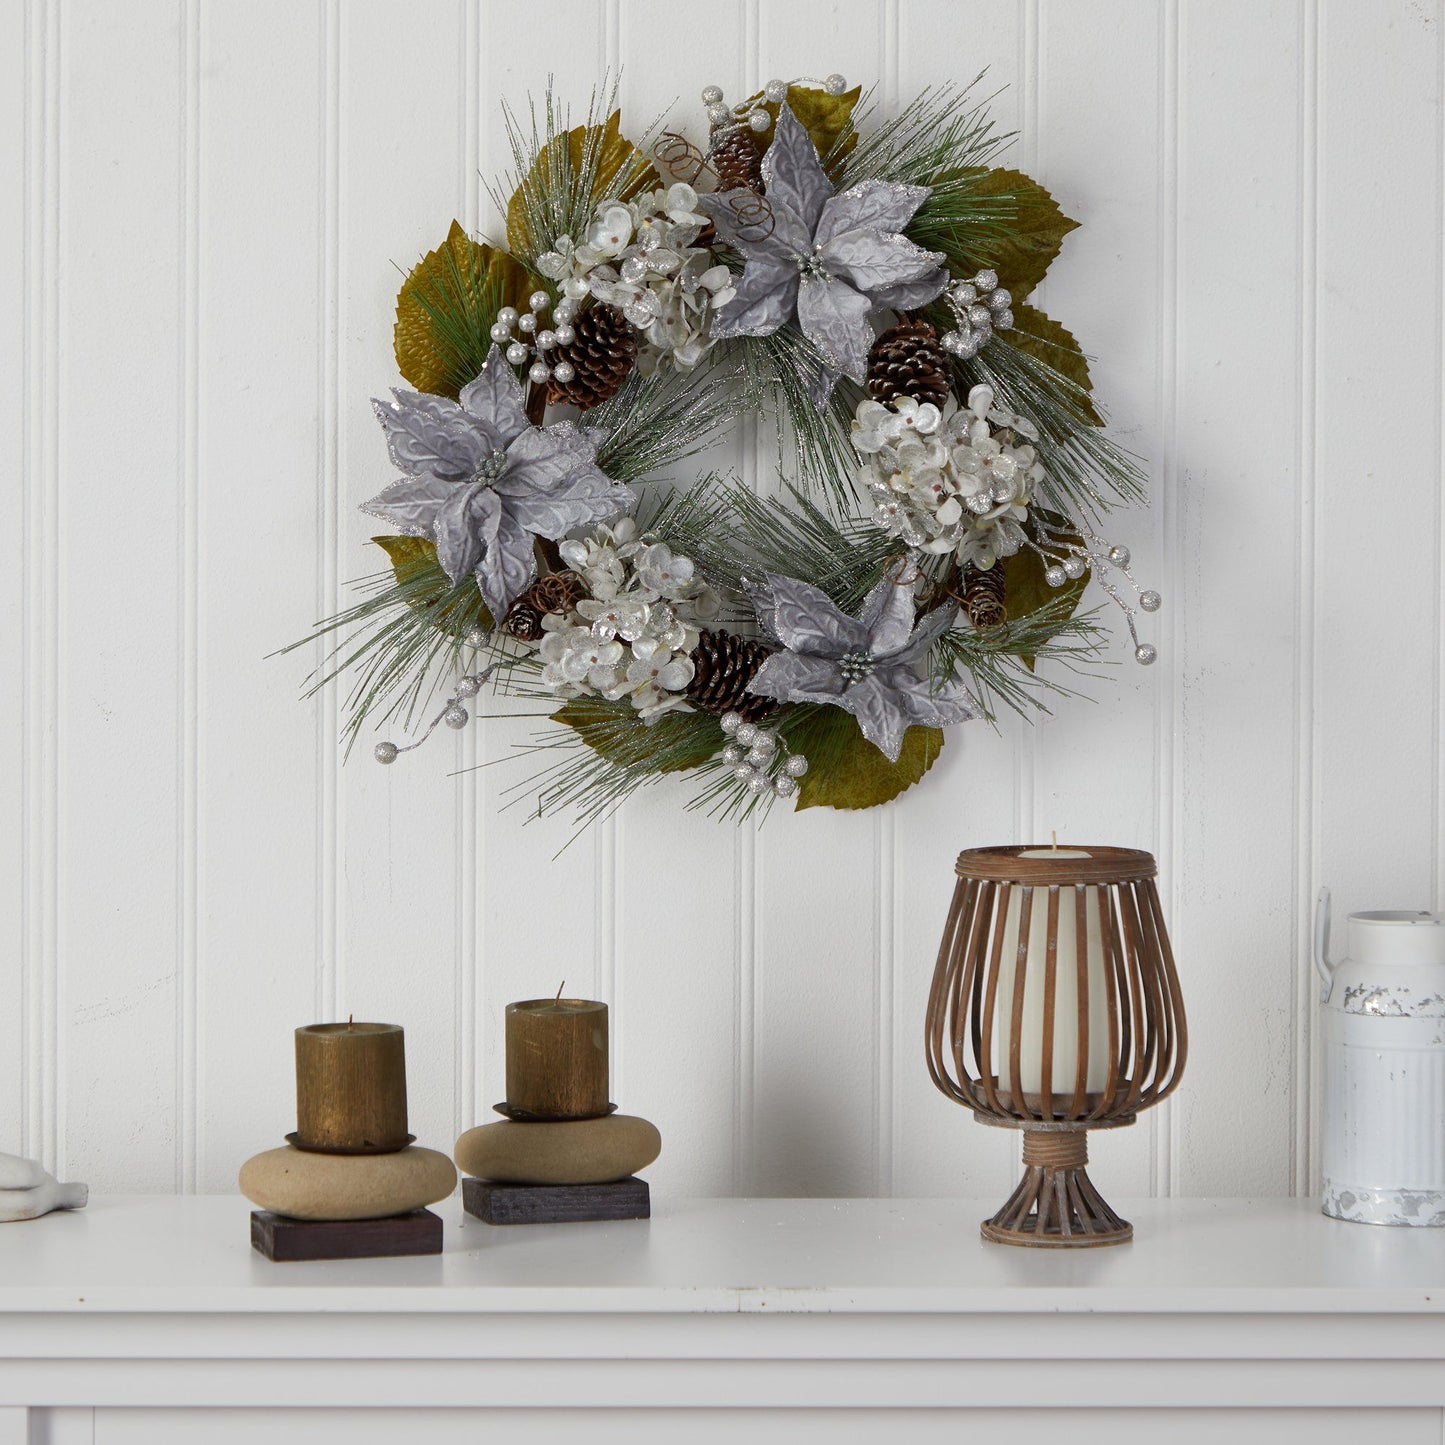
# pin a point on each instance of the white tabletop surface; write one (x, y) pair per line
(167, 1254)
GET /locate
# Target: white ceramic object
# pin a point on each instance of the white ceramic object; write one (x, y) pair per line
(1383, 1024)
(27, 1191)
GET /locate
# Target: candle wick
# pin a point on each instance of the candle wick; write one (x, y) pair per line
(560, 987)
(1054, 834)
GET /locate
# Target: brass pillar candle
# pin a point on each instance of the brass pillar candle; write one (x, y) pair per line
(557, 1059)
(351, 1088)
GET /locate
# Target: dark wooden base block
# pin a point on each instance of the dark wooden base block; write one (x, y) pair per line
(494, 1203)
(282, 1239)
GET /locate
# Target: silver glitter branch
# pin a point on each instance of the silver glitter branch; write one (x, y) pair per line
(454, 714)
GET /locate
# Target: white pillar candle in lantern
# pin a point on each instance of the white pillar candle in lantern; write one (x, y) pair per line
(1066, 988)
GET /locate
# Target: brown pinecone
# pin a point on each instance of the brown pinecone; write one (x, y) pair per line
(983, 596)
(723, 666)
(601, 355)
(908, 360)
(735, 158)
(556, 592)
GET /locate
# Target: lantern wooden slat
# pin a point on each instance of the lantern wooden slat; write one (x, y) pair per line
(982, 1050)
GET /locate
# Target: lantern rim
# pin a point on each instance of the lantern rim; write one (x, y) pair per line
(1003, 864)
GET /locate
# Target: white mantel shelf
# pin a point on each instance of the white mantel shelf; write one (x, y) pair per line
(160, 1302)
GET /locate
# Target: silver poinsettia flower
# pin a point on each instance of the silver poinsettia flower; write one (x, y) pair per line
(482, 481)
(830, 259)
(868, 665)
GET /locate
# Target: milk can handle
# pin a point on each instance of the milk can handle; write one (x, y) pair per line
(1325, 968)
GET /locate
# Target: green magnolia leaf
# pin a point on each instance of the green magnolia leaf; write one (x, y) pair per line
(1025, 589)
(458, 607)
(1045, 340)
(446, 307)
(671, 743)
(1036, 230)
(827, 119)
(845, 770)
(554, 167)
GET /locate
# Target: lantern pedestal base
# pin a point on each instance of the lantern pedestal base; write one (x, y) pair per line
(1056, 1205)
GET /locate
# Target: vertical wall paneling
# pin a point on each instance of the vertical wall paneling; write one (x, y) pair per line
(119, 452)
(1378, 209)
(205, 212)
(537, 900)
(1233, 888)
(1096, 759)
(400, 883)
(1306, 840)
(261, 197)
(971, 795)
(676, 933)
(19, 135)
(815, 1037)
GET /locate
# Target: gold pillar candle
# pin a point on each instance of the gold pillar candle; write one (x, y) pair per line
(351, 1088)
(557, 1059)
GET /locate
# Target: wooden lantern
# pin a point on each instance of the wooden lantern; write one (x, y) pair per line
(1055, 1009)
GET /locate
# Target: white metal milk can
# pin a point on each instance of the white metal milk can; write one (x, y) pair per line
(1383, 1024)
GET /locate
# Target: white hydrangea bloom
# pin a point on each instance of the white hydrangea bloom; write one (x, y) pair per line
(641, 256)
(634, 635)
(957, 480)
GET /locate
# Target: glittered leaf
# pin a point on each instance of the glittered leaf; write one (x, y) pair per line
(1035, 230)
(559, 166)
(423, 583)
(1045, 340)
(1026, 591)
(671, 743)
(445, 311)
(828, 119)
(847, 771)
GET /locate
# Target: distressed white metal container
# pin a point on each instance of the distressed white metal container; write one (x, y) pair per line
(1383, 1024)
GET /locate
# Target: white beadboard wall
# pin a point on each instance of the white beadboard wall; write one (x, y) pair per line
(202, 209)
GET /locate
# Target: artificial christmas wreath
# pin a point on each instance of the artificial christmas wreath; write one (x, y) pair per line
(860, 283)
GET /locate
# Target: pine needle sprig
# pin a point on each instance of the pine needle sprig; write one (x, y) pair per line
(652, 422)
(460, 303)
(937, 139)
(780, 371)
(1001, 664)
(554, 192)
(1087, 470)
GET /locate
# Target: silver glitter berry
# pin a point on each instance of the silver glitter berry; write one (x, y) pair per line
(565, 372)
(765, 743)
(742, 772)
(384, 752)
(776, 91)
(516, 353)
(986, 280)
(784, 786)
(835, 84)
(456, 716)
(1150, 601)
(500, 333)
(746, 733)
(730, 722)
(1075, 567)
(759, 782)
(539, 372)
(759, 757)
(759, 120)
(1055, 576)
(1145, 654)
(712, 94)
(732, 755)
(1119, 556)
(719, 114)
(469, 687)
(796, 766)
(537, 300)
